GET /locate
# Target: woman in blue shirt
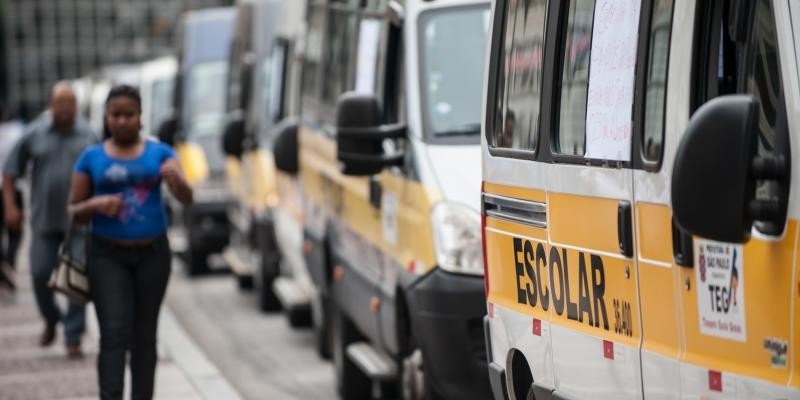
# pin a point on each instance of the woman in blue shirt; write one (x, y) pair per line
(116, 185)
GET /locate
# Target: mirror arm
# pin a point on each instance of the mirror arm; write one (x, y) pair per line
(376, 133)
(384, 159)
(765, 210)
(769, 167)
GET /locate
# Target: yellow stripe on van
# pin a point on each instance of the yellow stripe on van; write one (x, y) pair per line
(348, 198)
(193, 162)
(583, 221)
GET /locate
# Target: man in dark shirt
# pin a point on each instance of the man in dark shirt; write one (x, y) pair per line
(52, 145)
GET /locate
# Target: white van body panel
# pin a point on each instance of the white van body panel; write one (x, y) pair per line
(456, 169)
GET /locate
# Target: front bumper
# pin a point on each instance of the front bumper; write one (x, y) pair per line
(497, 375)
(447, 320)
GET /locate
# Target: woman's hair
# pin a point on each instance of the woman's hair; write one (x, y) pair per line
(121, 91)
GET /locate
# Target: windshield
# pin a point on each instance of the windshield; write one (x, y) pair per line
(206, 104)
(161, 102)
(452, 46)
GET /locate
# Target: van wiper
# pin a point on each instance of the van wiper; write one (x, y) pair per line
(464, 130)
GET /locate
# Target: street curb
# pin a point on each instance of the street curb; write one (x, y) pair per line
(184, 352)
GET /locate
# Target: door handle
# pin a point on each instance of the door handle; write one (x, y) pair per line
(625, 228)
(682, 248)
(375, 192)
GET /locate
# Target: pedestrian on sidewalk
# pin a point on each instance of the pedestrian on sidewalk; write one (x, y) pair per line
(11, 130)
(117, 186)
(51, 145)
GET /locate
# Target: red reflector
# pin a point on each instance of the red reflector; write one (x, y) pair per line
(715, 381)
(490, 309)
(537, 327)
(608, 349)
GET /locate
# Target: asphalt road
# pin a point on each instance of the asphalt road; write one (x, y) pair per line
(259, 354)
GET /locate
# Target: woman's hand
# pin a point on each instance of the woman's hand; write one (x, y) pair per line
(173, 176)
(171, 172)
(108, 205)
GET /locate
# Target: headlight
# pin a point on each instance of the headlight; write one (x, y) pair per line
(457, 238)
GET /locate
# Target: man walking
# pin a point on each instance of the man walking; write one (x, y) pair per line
(11, 131)
(52, 145)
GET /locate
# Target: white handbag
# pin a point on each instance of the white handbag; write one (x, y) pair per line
(70, 277)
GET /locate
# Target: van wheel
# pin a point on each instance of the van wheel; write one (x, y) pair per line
(321, 320)
(267, 301)
(413, 379)
(350, 380)
(244, 282)
(196, 261)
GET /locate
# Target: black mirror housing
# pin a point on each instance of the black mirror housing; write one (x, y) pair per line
(233, 136)
(712, 183)
(167, 132)
(360, 135)
(284, 149)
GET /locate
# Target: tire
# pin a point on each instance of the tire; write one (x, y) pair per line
(414, 380)
(321, 321)
(196, 262)
(350, 380)
(299, 318)
(267, 301)
(244, 282)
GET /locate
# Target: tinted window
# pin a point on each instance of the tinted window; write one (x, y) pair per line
(313, 52)
(206, 107)
(339, 51)
(763, 78)
(656, 89)
(519, 85)
(453, 46)
(571, 137)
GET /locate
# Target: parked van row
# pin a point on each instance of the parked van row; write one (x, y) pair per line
(517, 199)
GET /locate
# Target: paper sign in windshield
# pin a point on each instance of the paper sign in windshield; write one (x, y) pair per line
(720, 289)
(611, 79)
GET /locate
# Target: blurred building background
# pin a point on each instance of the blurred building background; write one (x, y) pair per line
(47, 40)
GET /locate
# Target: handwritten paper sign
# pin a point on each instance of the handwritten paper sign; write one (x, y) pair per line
(367, 63)
(611, 79)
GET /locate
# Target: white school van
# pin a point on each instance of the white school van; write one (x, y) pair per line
(640, 199)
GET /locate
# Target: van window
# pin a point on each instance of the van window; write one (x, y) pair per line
(571, 136)
(519, 85)
(751, 65)
(339, 61)
(451, 84)
(206, 108)
(656, 86)
(763, 78)
(313, 52)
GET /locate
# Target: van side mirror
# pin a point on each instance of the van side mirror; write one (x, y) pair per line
(167, 132)
(360, 135)
(233, 136)
(284, 149)
(716, 170)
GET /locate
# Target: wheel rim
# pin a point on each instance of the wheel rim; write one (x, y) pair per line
(413, 377)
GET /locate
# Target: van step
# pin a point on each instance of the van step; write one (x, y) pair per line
(235, 261)
(376, 364)
(290, 294)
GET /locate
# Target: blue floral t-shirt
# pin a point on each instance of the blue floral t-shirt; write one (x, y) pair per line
(138, 181)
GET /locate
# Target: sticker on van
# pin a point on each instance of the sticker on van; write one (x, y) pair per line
(720, 289)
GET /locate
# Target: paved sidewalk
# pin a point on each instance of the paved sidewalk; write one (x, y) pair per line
(29, 372)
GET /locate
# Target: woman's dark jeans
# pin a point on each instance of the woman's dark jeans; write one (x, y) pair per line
(127, 287)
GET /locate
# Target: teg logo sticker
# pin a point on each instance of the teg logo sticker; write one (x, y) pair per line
(720, 289)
